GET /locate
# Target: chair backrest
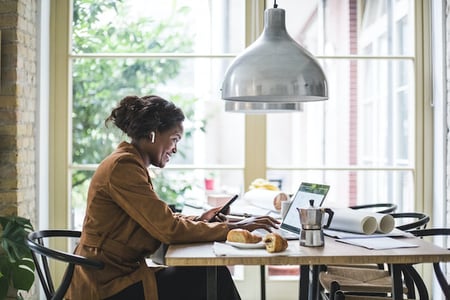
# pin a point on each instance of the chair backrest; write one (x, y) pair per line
(382, 208)
(440, 275)
(415, 220)
(41, 255)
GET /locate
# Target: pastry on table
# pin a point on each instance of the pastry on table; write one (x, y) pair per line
(242, 236)
(275, 242)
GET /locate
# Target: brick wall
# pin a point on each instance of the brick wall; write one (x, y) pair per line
(18, 93)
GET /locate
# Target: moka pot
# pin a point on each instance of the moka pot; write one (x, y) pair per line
(311, 233)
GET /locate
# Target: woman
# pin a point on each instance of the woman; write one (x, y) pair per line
(126, 221)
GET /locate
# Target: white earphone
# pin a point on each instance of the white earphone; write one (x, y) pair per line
(152, 137)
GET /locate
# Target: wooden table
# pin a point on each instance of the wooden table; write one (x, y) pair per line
(201, 254)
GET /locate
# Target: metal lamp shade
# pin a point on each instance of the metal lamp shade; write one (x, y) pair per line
(275, 69)
(262, 107)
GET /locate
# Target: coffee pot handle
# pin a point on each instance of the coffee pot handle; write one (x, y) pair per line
(330, 217)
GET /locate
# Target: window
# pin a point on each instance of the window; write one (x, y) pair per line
(362, 140)
(124, 48)
(366, 141)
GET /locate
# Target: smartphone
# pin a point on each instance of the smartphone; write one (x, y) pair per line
(224, 208)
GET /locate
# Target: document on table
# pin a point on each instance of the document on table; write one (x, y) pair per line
(380, 243)
(376, 241)
(346, 235)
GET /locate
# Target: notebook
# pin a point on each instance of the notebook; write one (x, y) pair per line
(290, 225)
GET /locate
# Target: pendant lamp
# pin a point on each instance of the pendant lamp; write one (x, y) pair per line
(274, 73)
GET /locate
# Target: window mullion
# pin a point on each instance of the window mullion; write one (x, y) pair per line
(255, 126)
(59, 115)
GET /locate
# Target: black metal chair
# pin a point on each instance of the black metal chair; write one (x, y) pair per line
(382, 208)
(339, 281)
(438, 272)
(415, 282)
(411, 220)
(41, 255)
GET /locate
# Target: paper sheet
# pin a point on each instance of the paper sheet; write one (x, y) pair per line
(360, 221)
(265, 198)
(381, 243)
(349, 235)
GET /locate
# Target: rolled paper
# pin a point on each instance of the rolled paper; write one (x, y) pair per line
(346, 219)
(386, 223)
(266, 198)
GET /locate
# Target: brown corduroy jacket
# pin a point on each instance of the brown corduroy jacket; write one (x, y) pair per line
(125, 222)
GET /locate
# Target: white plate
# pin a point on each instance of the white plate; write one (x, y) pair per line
(259, 245)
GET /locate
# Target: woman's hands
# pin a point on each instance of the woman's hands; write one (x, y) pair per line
(252, 223)
(209, 214)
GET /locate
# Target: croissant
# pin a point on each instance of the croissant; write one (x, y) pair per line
(242, 236)
(275, 242)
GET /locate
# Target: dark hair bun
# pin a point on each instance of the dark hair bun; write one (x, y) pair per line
(137, 116)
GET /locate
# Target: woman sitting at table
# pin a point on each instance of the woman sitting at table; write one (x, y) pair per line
(126, 221)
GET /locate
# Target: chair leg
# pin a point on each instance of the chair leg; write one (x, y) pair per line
(322, 292)
(411, 293)
(334, 287)
(339, 295)
(418, 281)
(324, 295)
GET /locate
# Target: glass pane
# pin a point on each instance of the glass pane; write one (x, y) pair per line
(178, 186)
(368, 120)
(80, 185)
(350, 27)
(149, 26)
(211, 135)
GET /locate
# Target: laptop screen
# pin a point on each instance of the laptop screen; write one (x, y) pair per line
(305, 192)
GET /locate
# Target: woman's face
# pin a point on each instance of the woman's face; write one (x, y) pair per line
(165, 145)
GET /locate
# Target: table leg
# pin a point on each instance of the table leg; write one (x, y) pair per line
(211, 283)
(314, 283)
(262, 272)
(304, 283)
(397, 283)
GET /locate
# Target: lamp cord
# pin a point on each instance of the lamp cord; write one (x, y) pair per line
(275, 5)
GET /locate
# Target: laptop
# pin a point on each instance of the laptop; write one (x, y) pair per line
(290, 225)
